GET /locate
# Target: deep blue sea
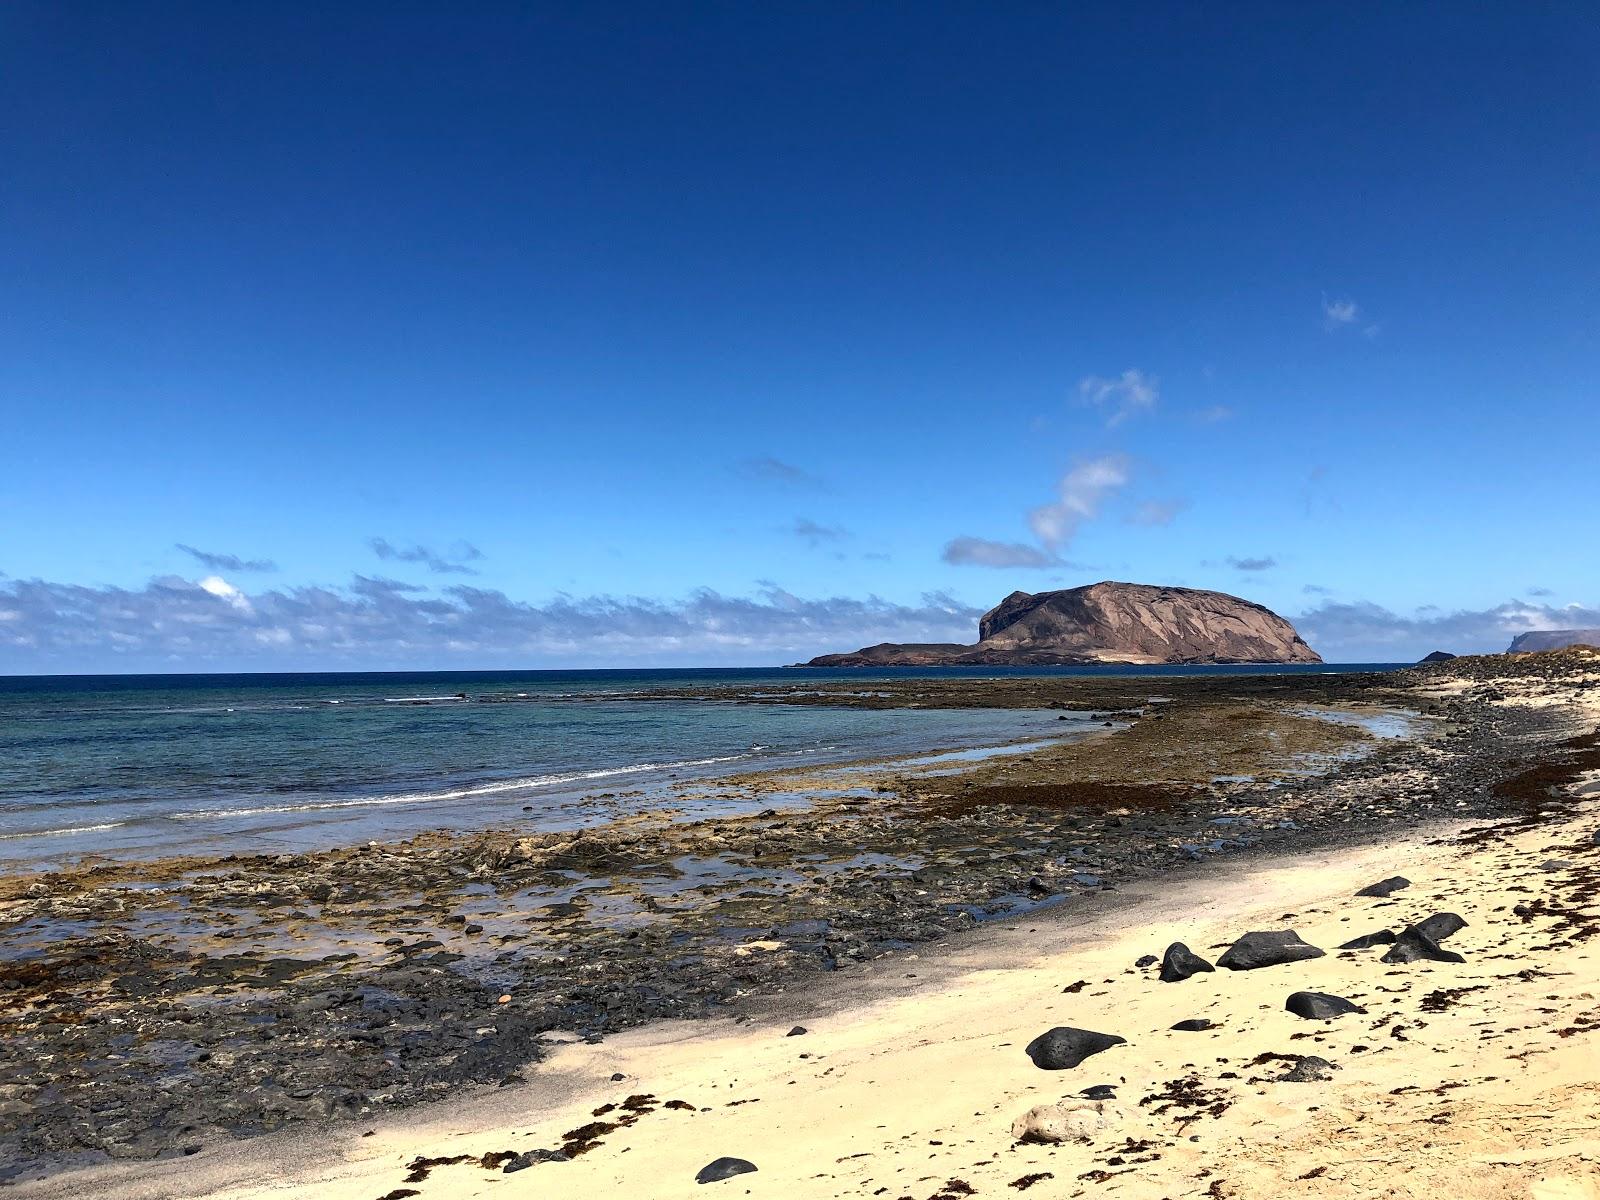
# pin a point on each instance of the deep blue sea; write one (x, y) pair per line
(152, 764)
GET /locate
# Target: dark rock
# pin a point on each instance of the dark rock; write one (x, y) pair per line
(1413, 944)
(1267, 949)
(1100, 1091)
(1107, 622)
(724, 1168)
(1368, 940)
(796, 1031)
(1320, 1006)
(1146, 960)
(1313, 1068)
(1180, 962)
(1436, 656)
(1064, 1047)
(1554, 864)
(1385, 887)
(1440, 926)
(1194, 1025)
(529, 1158)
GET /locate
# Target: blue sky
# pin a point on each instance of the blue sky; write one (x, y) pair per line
(735, 333)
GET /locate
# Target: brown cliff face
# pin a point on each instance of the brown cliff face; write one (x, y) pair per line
(1109, 623)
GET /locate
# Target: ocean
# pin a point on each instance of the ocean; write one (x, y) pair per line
(145, 765)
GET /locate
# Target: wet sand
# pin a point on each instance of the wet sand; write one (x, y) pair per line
(660, 919)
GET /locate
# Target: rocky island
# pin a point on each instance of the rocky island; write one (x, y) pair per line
(1106, 623)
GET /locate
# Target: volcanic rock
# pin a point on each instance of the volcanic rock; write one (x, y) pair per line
(1063, 1047)
(1385, 887)
(1108, 622)
(1367, 941)
(1440, 926)
(1413, 944)
(724, 1168)
(1267, 949)
(1313, 1068)
(1180, 962)
(1320, 1006)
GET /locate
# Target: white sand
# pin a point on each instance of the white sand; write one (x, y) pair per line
(913, 1069)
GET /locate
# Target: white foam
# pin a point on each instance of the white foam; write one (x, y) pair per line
(6, 837)
(486, 789)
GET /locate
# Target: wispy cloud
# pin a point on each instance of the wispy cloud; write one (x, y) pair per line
(227, 562)
(814, 534)
(1366, 632)
(1316, 589)
(1082, 489)
(180, 624)
(1157, 512)
(980, 552)
(1344, 313)
(1213, 415)
(1130, 393)
(453, 562)
(1540, 591)
(1252, 564)
(776, 471)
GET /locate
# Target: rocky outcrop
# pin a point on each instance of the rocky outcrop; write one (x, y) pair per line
(1553, 639)
(1436, 656)
(1107, 623)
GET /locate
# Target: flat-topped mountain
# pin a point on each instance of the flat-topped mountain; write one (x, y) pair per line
(1107, 623)
(1553, 639)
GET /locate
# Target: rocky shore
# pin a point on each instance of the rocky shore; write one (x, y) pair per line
(159, 1009)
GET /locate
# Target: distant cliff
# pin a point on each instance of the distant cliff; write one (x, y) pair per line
(1107, 623)
(1553, 639)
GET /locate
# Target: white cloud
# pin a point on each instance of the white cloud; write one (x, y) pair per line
(1129, 393)
(1345, 313)
(223, 590)
(1083, 489)
(980, 552)
(175, 624)
(1366, 632)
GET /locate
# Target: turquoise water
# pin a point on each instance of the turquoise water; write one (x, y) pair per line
(142, 765)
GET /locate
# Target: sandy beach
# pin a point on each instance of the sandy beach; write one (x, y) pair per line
(1477, 1079)
(907, 1076)
(840, 1061)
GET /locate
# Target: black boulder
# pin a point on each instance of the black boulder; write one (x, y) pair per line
(1368, 940)
(1440, 926)
(1064, 1047)
(724, 1168)
(1313, 1068)
(1320, 1006)
(1180, 962)
(1385, 887)
(1267, 949)
(1413, 944)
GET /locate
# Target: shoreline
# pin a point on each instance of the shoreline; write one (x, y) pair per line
(695, 918)
(910, 1072)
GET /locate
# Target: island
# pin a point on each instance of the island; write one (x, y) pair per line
(1107, 622)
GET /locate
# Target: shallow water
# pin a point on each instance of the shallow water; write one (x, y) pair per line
(145, 765)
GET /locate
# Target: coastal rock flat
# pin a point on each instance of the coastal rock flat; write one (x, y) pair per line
(1108, 623)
